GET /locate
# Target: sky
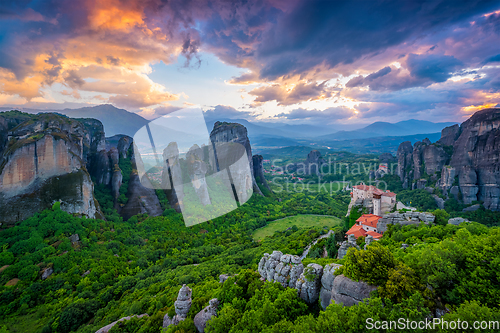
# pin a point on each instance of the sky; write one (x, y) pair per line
(297, 61)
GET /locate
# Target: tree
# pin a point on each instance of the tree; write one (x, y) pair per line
(29, 273)
(6, 258)
(442, 216)
(402, 283)
(371, 266)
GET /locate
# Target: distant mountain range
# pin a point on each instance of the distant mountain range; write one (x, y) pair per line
(116, 121)
(378, 129)
(267, 135)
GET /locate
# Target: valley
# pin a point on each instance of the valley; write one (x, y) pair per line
(67, 269)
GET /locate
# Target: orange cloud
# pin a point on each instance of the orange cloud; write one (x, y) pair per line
(114, 15)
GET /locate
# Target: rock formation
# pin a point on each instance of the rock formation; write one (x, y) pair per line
(449, 135)
(313, 282)
(202, 317)
(405, 161)
(224, 132)
(49, 157)
(457, 220)
(470, 152)
(404, 219)
(311, 166)
(141, 199)
(349, 292)
(182, 306)
(47, 272)
(258, 171)
(44, 161)
(327, 279)
(346, 245)
(476, 157)
(285, 269)
(309, 283)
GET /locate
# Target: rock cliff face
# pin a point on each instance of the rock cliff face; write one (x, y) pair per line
(404, 219)
(48, 158)
(285, 269)
(313, 282)
(106, 170)
(346, 245)
(313, 163)
(476, 157)
(258, 171)
(232, 132)
(349, 292)
(405, 161)
(202, 317)
(141, 199)
(309, 283)
(44, 161)
(325, 294)
(470, 152)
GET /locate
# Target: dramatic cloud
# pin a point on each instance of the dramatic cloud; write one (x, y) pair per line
(432, 67)
(293, 94)
(387, 58)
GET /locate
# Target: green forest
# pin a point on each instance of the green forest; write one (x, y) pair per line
(117, 268)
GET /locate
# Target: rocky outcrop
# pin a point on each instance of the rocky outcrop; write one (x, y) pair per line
(197, 169)
(182, 306)
(346, 245)
(439, 201)
(449, 135)
(470, 152)
(348, 292)
(282, 268)
(434, 158)
(224, 132)
(327, 279)
(309, 283)
(107, 328)
(47, 272)
(447, 178)
(313, 282)
(46, 161)
(457, 220)
(404, 156)
(202, 317)
(404, 219)
(476, 157)
(289, 271)
(313, 163)
(258, 171)
(52, 158)
(386, 158)
(141, 199)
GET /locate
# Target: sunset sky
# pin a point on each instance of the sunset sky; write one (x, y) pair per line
(304, 61)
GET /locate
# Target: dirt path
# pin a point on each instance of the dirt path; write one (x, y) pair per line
(306, 251)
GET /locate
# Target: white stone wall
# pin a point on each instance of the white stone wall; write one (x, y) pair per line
(376, 207)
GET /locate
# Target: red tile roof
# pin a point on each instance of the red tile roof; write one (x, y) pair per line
(357, 231)
(374, 234)
(369, 220)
